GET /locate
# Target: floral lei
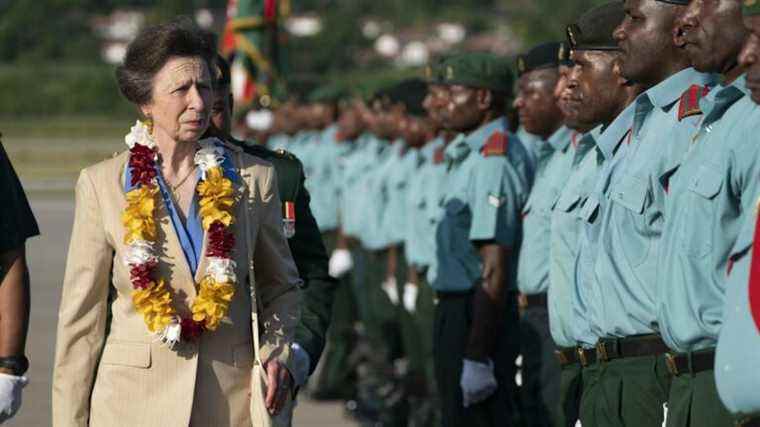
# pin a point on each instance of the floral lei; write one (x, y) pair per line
(151, 297)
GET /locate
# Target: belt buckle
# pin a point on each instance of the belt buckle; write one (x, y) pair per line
(601, 352)
(670, 361)
(582, 357)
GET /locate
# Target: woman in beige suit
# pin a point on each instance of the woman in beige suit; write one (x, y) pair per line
(155, 323)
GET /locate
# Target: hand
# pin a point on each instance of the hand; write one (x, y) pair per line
(340, 263)
(478, 381)
(279, 384)
(410, 297)
(10, 395)
(302, 364)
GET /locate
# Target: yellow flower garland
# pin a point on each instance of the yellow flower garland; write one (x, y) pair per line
(154, 301)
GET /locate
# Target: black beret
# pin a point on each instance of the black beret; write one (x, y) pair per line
(545, 55)
(593, 30)
(564, 54)
(410, 92)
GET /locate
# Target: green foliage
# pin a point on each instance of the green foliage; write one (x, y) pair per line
(60, 90)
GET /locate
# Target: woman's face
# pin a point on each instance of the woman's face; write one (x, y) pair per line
(182, 98)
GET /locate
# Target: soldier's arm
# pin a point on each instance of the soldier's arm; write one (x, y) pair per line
(488, 301)
(14, 302)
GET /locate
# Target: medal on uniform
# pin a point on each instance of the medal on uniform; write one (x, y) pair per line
(289, 220)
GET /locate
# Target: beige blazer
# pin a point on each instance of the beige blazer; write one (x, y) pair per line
(109, 371)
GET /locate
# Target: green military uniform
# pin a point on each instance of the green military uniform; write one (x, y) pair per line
(710, 192)
(633, 382)
(308, 251)
(540, 369)
(17, 222)
(485, 189)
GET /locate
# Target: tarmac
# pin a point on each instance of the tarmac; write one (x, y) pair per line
(47, 257)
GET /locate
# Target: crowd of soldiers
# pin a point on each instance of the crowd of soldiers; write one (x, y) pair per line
(575, 265)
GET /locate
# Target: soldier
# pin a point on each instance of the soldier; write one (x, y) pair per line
(596, 94)
(477, 239)
(17, 224)
(624, 227)
(710, 190)
(736, 367)
(298, 225)
(541, 116)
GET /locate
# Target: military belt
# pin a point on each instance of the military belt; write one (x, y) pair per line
(635, 346)
(567, 356)
(690, 363)
(586, 356)
(531, 301)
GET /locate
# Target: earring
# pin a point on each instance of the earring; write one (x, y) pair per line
(149, 124)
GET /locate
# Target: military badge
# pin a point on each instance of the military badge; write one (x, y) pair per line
(571, 36)
(289, 220)
(521, 64)
(495, 200)
(561, 54)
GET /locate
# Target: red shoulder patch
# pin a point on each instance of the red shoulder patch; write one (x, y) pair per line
(438, 156)
(496, 145)
(689, 103)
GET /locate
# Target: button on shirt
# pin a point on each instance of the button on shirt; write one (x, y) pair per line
(709, 194)
(552, 172)
(737, 365)
(625, 266)
(483, 200)
(565, 226)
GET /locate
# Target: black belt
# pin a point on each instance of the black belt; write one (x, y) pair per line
(636, 346)
(535, 300)
(575, 355)
(690, 363)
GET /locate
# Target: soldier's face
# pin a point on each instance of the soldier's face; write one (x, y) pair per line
(750, 56)
(464, 108)
(221, 110)
(594, 87)
(416, 131)
(434, 103)
(712, 33)
(536, 104)
(349, 124)
(645, 38)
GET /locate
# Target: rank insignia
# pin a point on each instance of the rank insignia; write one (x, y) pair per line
(496, 201)
(689, 103)
(521, 64)
(561, 54)
(289, 220)
(571, 36)
(496, 145)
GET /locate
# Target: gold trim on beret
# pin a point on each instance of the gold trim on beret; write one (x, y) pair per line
(521, 64)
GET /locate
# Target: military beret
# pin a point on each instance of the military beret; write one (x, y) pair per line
(751, 7)
(432, 72)
(411, 93)
(478, 70)
(545, 55)
(563, 55)
(593, 30)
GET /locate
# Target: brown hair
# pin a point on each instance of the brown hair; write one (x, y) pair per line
(153, 47)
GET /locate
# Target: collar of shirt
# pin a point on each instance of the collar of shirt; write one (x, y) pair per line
(457, 149)
(561, 138)
(428, 150)
(664, 94)
(720, 99)
(328, 135)
(584, 143)
(609, 137)
(463, 144)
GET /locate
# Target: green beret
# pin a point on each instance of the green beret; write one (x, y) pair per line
(432, 73)
(478, 70)
(411, 93)
(751, 7)
(593, 30)
(546, 55)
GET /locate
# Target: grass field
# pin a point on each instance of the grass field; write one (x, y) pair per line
(49, 153)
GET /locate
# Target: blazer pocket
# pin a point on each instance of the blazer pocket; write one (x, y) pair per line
(242, 355)
(132, 354)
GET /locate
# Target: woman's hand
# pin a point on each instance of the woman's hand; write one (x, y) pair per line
(279, 384)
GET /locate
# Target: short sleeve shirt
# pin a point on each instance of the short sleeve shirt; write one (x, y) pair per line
(484, 196)
(17, 222)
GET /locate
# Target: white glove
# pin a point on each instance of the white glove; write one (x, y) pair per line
(301, 364)
(340, 263)
(10, 395)
(390, 287)
(410, 297)
(478, 381)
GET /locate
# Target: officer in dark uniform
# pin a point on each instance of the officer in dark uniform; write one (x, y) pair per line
(17, 224)
(299, 226)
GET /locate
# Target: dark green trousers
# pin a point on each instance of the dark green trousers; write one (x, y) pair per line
(540, 369)
(626, 392)
(694, 402)
(453, 317)
(570, 392)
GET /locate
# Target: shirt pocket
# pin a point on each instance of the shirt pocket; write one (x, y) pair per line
(634, 233)
(123, 353)
(696, 233)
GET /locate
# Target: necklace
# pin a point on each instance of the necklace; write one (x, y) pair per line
(173, 188)
(151, 295)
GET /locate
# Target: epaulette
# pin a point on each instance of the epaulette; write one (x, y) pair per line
(689, 103)
(496, 145)
(438, 156)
